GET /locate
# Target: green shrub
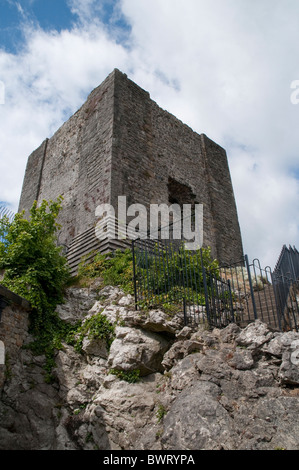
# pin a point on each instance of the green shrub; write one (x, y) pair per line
(33, 264)
(97, 326)
(114, 269)
(131, 376)
(161, 277)
(35, 269)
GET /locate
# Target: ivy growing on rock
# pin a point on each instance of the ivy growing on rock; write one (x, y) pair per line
(96, 327)
(35, 269)
(33, 265)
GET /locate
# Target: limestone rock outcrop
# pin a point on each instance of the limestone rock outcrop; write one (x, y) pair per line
(136, 349)
(231, 389)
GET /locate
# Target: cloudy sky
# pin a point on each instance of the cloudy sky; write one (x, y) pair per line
(227, 68)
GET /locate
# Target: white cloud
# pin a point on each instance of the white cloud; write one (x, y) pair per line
(46, 82)
(85, 9)
(224, 67)
(234, 63)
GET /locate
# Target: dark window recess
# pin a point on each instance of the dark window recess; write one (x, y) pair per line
(179, 193)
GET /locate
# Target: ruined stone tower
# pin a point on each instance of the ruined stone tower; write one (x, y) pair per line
(121, 143)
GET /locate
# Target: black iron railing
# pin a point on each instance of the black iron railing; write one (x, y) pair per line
(286, 292)
(288, 263)
(285, 279)
(253, 293)
(166, 274)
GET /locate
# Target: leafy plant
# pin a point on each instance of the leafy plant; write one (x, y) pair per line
(161, 412)
(32, 262)
(49, 339)
(113, 268)
(97, 326)
(35, 269)
(159, 279)
(168, 278)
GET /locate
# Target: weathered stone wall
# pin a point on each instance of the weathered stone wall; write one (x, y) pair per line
(33, 174)
(199, 389)
(122, 143)
(152, 146)
(76, 164)
(14, 322)
(223, 210)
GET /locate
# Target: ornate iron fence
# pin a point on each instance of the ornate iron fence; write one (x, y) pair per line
(166, 274)
(285, 279)
(253, 293)
(288, 263)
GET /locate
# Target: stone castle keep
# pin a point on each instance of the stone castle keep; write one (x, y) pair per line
(121, 143)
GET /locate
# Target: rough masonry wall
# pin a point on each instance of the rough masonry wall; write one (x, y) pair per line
(14, 322)
(76, 164)
(32, 179)
(226, 229)
(122, 143)
(153, 146)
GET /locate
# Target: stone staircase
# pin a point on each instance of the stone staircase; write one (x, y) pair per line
(87, 245)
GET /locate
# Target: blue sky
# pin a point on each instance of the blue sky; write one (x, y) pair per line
(224, 67)
(48, 14)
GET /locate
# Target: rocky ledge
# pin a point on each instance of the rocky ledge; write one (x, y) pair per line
(159, 385)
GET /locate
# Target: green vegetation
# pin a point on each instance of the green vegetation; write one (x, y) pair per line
(35, 269)
(48, 340)
(131, 376)
(95, 327)
(159, 276)
(168, 279)
(114, 269)
(161, 412)
(33, 265)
